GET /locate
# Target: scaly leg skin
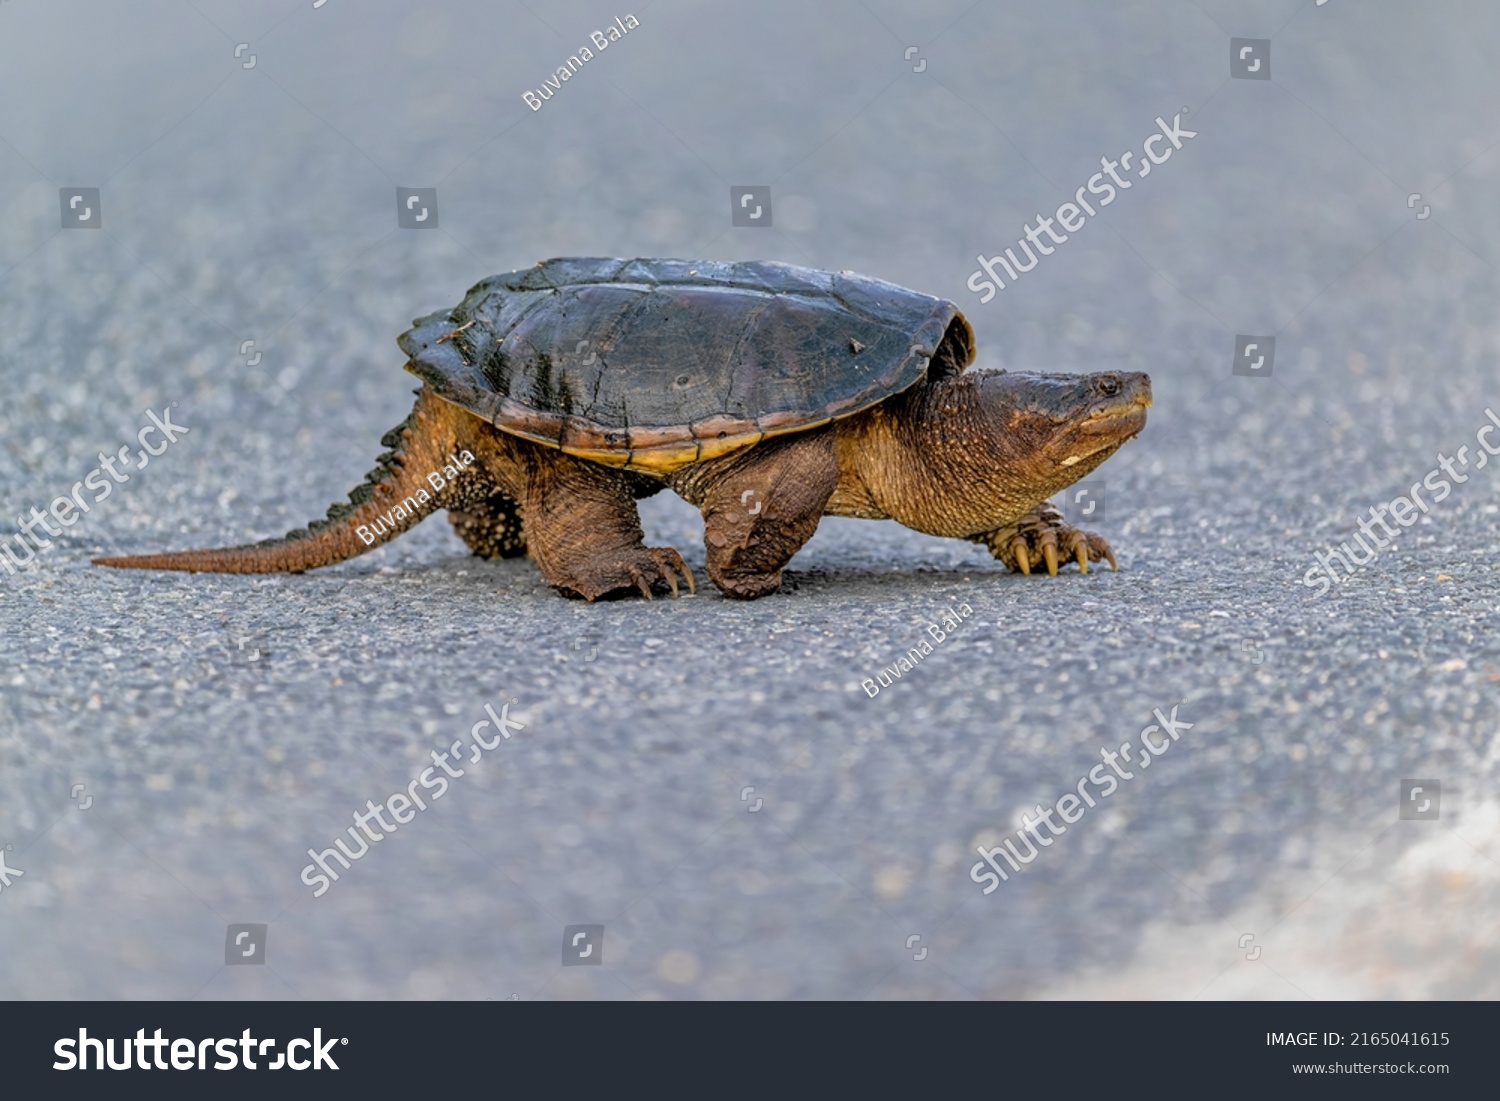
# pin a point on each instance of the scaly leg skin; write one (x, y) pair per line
(1042, 536)
(759, 507)
(583, 531)
(492, 526)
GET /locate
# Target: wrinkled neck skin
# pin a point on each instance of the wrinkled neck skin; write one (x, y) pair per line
(961, 457)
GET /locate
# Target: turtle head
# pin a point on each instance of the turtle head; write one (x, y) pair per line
(973, 452)
(998, 442)
(1061, 427)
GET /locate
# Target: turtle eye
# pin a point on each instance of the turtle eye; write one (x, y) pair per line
(1109, 385)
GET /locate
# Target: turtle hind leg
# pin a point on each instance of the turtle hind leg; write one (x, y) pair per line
(491, 525)
(584, 533)
(759, 507)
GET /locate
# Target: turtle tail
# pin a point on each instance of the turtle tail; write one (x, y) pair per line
(394, 497)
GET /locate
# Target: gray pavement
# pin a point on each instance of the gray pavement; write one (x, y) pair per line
(707, 779)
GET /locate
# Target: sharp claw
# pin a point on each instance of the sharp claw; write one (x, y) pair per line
(645, 587)
(1081, 552)
(1019, 548)
(688, 577)
(672, 580)
(1049, 552)
(1111, 556)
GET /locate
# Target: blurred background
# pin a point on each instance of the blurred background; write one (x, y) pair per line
(703, 784)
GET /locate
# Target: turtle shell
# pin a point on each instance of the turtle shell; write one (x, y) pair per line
(653, 364)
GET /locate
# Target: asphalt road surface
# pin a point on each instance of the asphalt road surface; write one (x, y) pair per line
(707, 780)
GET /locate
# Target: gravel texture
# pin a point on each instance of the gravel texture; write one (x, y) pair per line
(704, 778)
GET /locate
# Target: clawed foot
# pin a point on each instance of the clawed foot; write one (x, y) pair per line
(639, 570)
(745, 585)
(1043, 537)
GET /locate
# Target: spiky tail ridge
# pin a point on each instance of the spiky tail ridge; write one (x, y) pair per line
(394, 497)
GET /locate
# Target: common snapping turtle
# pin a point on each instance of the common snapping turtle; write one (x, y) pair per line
(765, 394)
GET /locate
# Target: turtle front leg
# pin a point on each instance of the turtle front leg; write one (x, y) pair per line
(759, 507)
(583, 531)
(1042, 536)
